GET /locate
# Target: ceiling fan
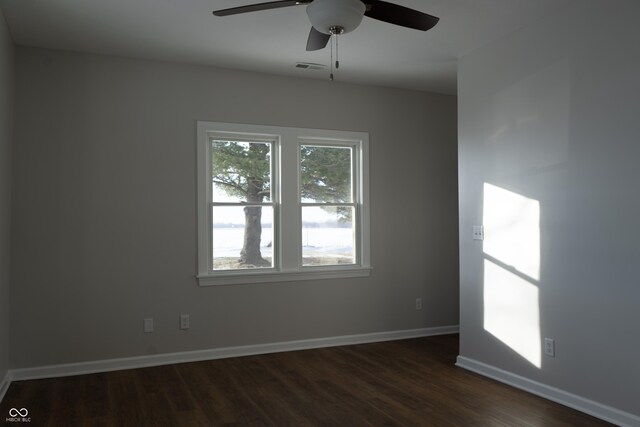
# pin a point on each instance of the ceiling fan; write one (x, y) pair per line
(335, 17)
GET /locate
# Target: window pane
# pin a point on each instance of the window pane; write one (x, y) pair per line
(240, 171)
(242, 237)
(328, 236)
(325, 174)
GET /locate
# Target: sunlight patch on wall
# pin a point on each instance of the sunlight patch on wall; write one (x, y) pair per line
(512, 229)
(512, 312)
(512, 270)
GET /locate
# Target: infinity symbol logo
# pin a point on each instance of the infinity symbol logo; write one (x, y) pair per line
(13, 412)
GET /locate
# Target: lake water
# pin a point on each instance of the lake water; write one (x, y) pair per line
(316, 241)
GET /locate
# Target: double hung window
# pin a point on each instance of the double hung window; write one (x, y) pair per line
(277, 204)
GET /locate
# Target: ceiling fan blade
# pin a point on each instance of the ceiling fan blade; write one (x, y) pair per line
(260, 6)
(399, 15)
(317, 40)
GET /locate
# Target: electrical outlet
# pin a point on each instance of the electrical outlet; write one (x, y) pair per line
(418, 303)
(550, 347)
(148, 325)
(184, 321)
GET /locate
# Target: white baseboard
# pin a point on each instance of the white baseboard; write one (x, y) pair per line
(571, 400)
(219, 353)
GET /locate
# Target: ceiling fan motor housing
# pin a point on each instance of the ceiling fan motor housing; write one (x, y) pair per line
(327, 14)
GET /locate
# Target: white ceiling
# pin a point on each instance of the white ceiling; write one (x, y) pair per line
(273, 41)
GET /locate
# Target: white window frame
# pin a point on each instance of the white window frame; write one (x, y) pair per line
(287, 206)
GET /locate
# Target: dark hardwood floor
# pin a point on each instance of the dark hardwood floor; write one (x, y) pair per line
(400, 383)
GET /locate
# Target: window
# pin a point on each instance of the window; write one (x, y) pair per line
(327, 204)
(277, 204)
(241, 204)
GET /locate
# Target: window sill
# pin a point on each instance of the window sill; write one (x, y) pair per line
(245, 278)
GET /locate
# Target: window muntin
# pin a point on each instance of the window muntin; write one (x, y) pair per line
(284, 207)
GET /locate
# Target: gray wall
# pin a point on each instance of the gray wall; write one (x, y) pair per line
(551, 113)
(105, 220)
(6, 117)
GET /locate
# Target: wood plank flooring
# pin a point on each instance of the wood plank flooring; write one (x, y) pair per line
(400, 383)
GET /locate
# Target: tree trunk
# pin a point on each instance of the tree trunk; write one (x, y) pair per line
(250, 254)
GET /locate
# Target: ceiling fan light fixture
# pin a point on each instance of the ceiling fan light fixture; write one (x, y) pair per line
(327, 14)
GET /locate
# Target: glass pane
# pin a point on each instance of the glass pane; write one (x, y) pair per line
(325, 174)
(328, 236)
(240, 171)
(242, 237)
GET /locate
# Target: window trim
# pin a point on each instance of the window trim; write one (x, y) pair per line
(283, 269)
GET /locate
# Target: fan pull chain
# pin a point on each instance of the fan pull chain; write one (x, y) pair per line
(334, 31)
(331, 61)
(337, 62)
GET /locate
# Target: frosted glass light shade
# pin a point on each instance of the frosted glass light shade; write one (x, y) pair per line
(325, 14)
